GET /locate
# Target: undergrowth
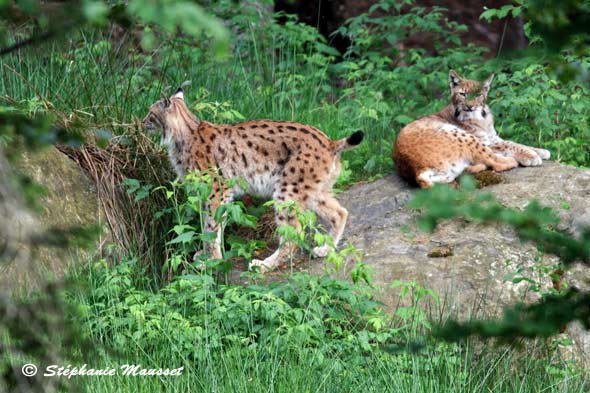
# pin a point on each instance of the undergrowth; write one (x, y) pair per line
(150, 303)
(317, 333)
(309, 332)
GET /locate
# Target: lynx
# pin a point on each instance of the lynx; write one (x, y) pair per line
(282, 160)
(476, 118)
(461, 137)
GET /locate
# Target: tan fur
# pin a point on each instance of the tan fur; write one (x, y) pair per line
(476, 118)
(439, 147)
(282, 160)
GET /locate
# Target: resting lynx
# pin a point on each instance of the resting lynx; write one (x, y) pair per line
(281, 160)
(479, 121)
(437, 148)
(461, 137)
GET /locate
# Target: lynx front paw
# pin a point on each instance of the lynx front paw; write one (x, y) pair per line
(322, 251)
(265, 265)
(544, 154)
(536, 160)
(506, 163)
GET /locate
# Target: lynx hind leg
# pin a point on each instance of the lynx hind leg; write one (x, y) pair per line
(428, 177)
(329, 210)
(289, 188)
(476, 168)
(424, 179)
(287, 248)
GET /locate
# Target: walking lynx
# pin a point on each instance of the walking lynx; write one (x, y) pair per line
(282, 160)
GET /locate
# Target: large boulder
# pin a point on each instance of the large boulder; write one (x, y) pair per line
(474, 277)
(69, 199)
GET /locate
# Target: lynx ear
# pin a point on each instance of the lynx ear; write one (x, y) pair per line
(180, 92)
(454, 79)
(487, 83)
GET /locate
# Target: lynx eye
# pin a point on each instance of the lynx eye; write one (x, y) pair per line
(483, 112)
(463, 94)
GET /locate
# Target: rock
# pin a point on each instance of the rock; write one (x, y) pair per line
(70, 199)
(472, 280)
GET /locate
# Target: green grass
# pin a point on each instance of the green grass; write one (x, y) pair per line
(99, 81)
(89, 76)
(93, 83)
(287, 365)
(237, 370)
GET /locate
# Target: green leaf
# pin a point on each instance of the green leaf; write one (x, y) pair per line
(132, 185)
(186, 237)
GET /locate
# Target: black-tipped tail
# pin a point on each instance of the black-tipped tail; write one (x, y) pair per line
(348, 143)
(355, 138)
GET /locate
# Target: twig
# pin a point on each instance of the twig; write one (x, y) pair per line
(502, 39)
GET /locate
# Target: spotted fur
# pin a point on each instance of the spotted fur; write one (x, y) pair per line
(437, 148)
(282, 160)
(477, 118)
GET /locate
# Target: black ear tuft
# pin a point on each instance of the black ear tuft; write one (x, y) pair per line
(179, 93)
(454, 78)
(182, 86)
(355, 138)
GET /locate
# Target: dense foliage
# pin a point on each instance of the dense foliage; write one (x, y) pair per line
(91, 79)
(287, 71)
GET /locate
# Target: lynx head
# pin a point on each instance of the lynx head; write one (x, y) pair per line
(469, 100)
(168, 115)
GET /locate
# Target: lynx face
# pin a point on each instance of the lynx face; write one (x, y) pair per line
(152, 122)
(160, 120)
(469, 101)
(469, 105)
